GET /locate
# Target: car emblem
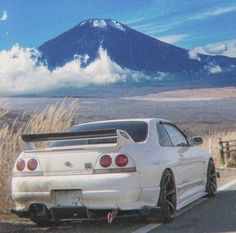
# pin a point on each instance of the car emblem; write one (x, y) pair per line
(88, 165)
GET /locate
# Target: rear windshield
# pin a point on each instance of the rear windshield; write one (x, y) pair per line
(136, 129)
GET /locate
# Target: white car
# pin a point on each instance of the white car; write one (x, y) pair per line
(104, 168)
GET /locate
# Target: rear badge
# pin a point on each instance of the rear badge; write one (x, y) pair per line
(88, 165)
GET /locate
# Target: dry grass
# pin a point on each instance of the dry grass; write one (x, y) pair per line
(211, 141)
(54, 118)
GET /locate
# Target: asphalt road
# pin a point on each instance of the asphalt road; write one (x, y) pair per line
(213, 215)
(217, 214)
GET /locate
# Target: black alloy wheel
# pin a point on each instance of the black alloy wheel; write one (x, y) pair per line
(211, 185)
(167, 197)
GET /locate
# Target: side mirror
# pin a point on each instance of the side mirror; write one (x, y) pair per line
(196, 140)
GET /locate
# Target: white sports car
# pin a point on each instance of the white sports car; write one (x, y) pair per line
(105, 168)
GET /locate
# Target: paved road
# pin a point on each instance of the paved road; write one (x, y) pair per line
(214, 215)
(211, 215)
(118, 226)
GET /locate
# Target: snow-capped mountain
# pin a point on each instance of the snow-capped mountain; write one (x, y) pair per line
(132, 50)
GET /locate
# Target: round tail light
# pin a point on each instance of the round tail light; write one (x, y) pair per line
(32, 164)
(105, 161)
(122, 160)
(20, 166)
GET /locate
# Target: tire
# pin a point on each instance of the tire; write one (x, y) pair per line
(167, 198)
(211, 184)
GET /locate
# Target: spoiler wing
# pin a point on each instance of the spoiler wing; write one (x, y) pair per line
(122, 137)
(67, 136)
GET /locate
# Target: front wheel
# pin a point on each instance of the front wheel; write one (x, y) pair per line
(211, 185)
(167, 197)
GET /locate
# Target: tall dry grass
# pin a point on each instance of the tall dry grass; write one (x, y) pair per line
(54, 118)
(211, 142)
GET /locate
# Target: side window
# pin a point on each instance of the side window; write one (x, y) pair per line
(163, 137)
(176, 137)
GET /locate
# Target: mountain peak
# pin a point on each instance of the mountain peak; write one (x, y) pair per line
(130, 49)
(104, 24)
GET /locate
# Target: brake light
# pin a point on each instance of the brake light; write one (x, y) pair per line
(105, 161)
(122, 160)
(20, 166)
(32, 164)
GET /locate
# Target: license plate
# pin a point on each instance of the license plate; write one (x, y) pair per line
(67, 197)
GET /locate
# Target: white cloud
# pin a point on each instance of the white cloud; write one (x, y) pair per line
(4, 16)
(134, 20)
(193, 54)
(152, 30)
(214, 69)
(20, 73)
(216, 49)
(153, 27)
(172, 39)
(225, 48)
(217, 11)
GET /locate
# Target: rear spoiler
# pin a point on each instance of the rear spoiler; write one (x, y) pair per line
(122, 137)
(67, 136)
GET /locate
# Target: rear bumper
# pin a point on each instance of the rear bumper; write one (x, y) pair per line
(57, 212)
(99, 191)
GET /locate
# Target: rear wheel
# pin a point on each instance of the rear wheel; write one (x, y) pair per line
(167, 197)
(211, 185)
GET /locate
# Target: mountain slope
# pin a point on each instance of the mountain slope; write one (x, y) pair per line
(129, 49)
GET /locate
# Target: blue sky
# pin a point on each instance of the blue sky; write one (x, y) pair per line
(185, 23)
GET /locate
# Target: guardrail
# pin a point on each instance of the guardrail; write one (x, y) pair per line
(226, 148)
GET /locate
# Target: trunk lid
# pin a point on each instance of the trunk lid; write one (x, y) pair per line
(66, 162)
(73, 159)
